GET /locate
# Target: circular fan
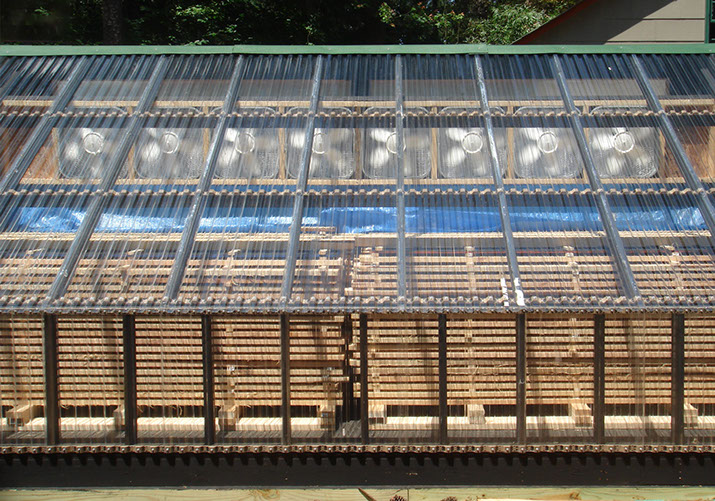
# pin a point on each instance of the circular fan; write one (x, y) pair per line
(332, 155)
(83, 152)
(545, 152)
(381, 150)
(464, 152)
(624, 152)
(251, 153)
(169, 153)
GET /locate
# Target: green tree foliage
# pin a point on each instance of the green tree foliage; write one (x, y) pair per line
(277, 21)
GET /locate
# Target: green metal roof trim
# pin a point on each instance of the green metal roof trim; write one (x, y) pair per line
(73, 50)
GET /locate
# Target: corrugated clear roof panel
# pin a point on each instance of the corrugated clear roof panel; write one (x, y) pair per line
(456, 255)
(239, 253)
(35, 233)
(622, 131)
(273, 96)
(525, 96)
(563, 254)
(130, 254)
(85, 135)
(348, 239)
(306, 182)
(669, 247)
(687, 94)
(27, 93)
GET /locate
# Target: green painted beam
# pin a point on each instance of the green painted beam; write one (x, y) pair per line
(72, 50)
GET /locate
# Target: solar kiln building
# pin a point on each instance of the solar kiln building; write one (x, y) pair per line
(356, 248)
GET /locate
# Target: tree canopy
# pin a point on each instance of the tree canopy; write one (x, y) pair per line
(273, 21)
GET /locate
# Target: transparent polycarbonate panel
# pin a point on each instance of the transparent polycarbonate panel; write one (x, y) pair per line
(403, 379)
(603, 80)
(90, 375)
(529, 111)
(520, 80)
(28, 92)
(562, 250)
(638, 377)
(273, 99)
(669, 247)
(627, 145)
(559, 378)
(85, 137)
(169, 154)
(130, 254)
(699, 409)
(238, 256)
(22, 387)
(248, 378)
(688, 97)
(347, 249)
(481, 379)
(169, 380)
(76, 153)
(350, 86)
(622, 131)
(320, 386)
(113, 85)
(194, 84)
(443, 110)
(456, 255)
(35, 233)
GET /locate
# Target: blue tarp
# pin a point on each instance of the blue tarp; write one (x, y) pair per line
(360, 220)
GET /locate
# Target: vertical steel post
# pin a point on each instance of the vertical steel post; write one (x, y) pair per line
(442, 357)
(677, 380)
(130, 379)
(285, 379)
(521, 378)
(364, 408)
(599, 378)
(346, 331)
(52, 401)
(208, 381)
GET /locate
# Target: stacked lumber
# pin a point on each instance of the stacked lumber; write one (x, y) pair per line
(481, 363)
(90, 361)
(129, 277)
(467, 273)
(28, 276)
(247, 362)
(700, 360)
(247, 358)
(169, 361)
(402, 361)
(559, 359)
(21, 361)
(567, 273)
(259, 279)
(673, 273)
(638, 360)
